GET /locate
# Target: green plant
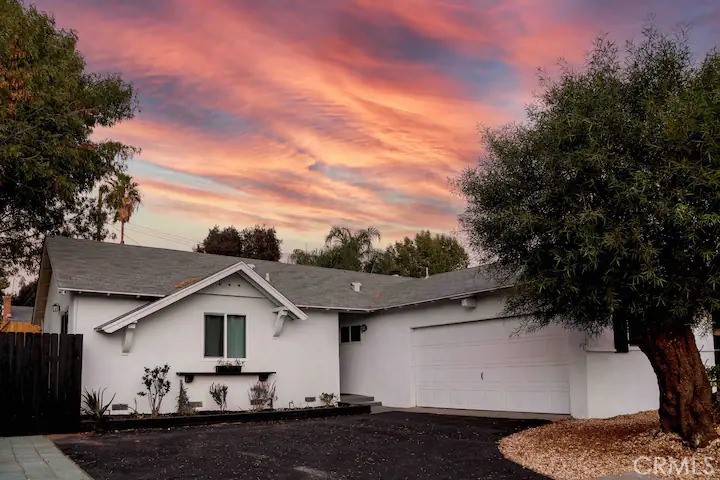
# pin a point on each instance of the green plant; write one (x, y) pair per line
(218, 392)
(156, 386)
(94, 405)
(262, 395)
(328, 399)
(183, 402)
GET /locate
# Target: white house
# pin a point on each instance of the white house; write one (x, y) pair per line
(440, 341)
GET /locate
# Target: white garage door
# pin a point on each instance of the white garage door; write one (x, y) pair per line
(482, 365)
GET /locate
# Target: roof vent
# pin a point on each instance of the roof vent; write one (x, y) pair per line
(267, 277)
(356, 286)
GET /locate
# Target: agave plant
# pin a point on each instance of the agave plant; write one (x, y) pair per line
(94, 405)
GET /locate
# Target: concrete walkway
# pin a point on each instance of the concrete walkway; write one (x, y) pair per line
(474, 413)
(36, 457)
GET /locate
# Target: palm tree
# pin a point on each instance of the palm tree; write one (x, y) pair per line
(124, 198)
(353, 250)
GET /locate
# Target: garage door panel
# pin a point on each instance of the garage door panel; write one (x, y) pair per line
(482, 365)
(527, 374)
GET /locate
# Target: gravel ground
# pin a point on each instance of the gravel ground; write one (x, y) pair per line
(389, 445)
(588, 449)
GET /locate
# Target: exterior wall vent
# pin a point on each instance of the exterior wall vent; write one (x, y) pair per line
(356, 286)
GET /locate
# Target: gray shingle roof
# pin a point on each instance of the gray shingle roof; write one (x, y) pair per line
(109, 267)
(21, 314)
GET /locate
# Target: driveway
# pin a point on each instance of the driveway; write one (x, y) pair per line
(386, 445)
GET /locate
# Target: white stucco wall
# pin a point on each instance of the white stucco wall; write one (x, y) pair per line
(305, 355)
(602, 383)
(619, 383)
(51, 322)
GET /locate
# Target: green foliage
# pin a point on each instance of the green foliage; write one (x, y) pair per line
(438, 253)
(49, 109)
(219, 392)
(123, 197)
(183, 402)
(258, 242)
(26, 294)
(607, 200)
(156, 386)
(94, 405)
(344, 249)
(353, 250)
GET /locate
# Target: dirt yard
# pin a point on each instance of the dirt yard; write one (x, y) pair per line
(385, 445)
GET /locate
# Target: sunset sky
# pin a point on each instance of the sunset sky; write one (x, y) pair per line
(304, 114)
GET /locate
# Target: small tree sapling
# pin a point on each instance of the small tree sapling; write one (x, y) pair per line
(156, 386)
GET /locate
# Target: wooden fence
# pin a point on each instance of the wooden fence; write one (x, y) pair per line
(40, 375)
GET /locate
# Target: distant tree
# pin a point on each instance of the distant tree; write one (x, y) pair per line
(49, 109)
(26, 295)
(344, 249)
(222, 242)
(258, 242)
(606, 207)
(123, 196)
(438, 253)
(261, 243)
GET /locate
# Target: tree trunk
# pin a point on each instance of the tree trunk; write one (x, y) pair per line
(685, 394)
(122, 232)
(98, 218)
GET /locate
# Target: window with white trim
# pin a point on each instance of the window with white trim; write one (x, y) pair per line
(225, 335)
(350, 333)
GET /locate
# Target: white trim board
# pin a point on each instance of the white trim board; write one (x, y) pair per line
(255, 279)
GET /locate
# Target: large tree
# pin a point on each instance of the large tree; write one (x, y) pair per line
(605, 204)
(344, 249)
(424, 254)
(258, 242)
(49, 108)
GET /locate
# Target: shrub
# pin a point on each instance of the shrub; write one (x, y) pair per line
(262, 395)
(183, 403)
(219, 393)
(94, 405)
(156, 386)
(328, 399)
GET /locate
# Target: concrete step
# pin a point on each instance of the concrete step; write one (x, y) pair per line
(353, 399)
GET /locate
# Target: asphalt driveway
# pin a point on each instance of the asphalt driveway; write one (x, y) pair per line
(387, 445)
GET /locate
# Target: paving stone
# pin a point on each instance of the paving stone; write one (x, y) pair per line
(35, 458)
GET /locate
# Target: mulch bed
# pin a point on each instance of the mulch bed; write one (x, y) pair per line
(589, 449)
(386, 445)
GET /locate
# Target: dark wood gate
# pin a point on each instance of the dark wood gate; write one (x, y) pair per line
(40, 375)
